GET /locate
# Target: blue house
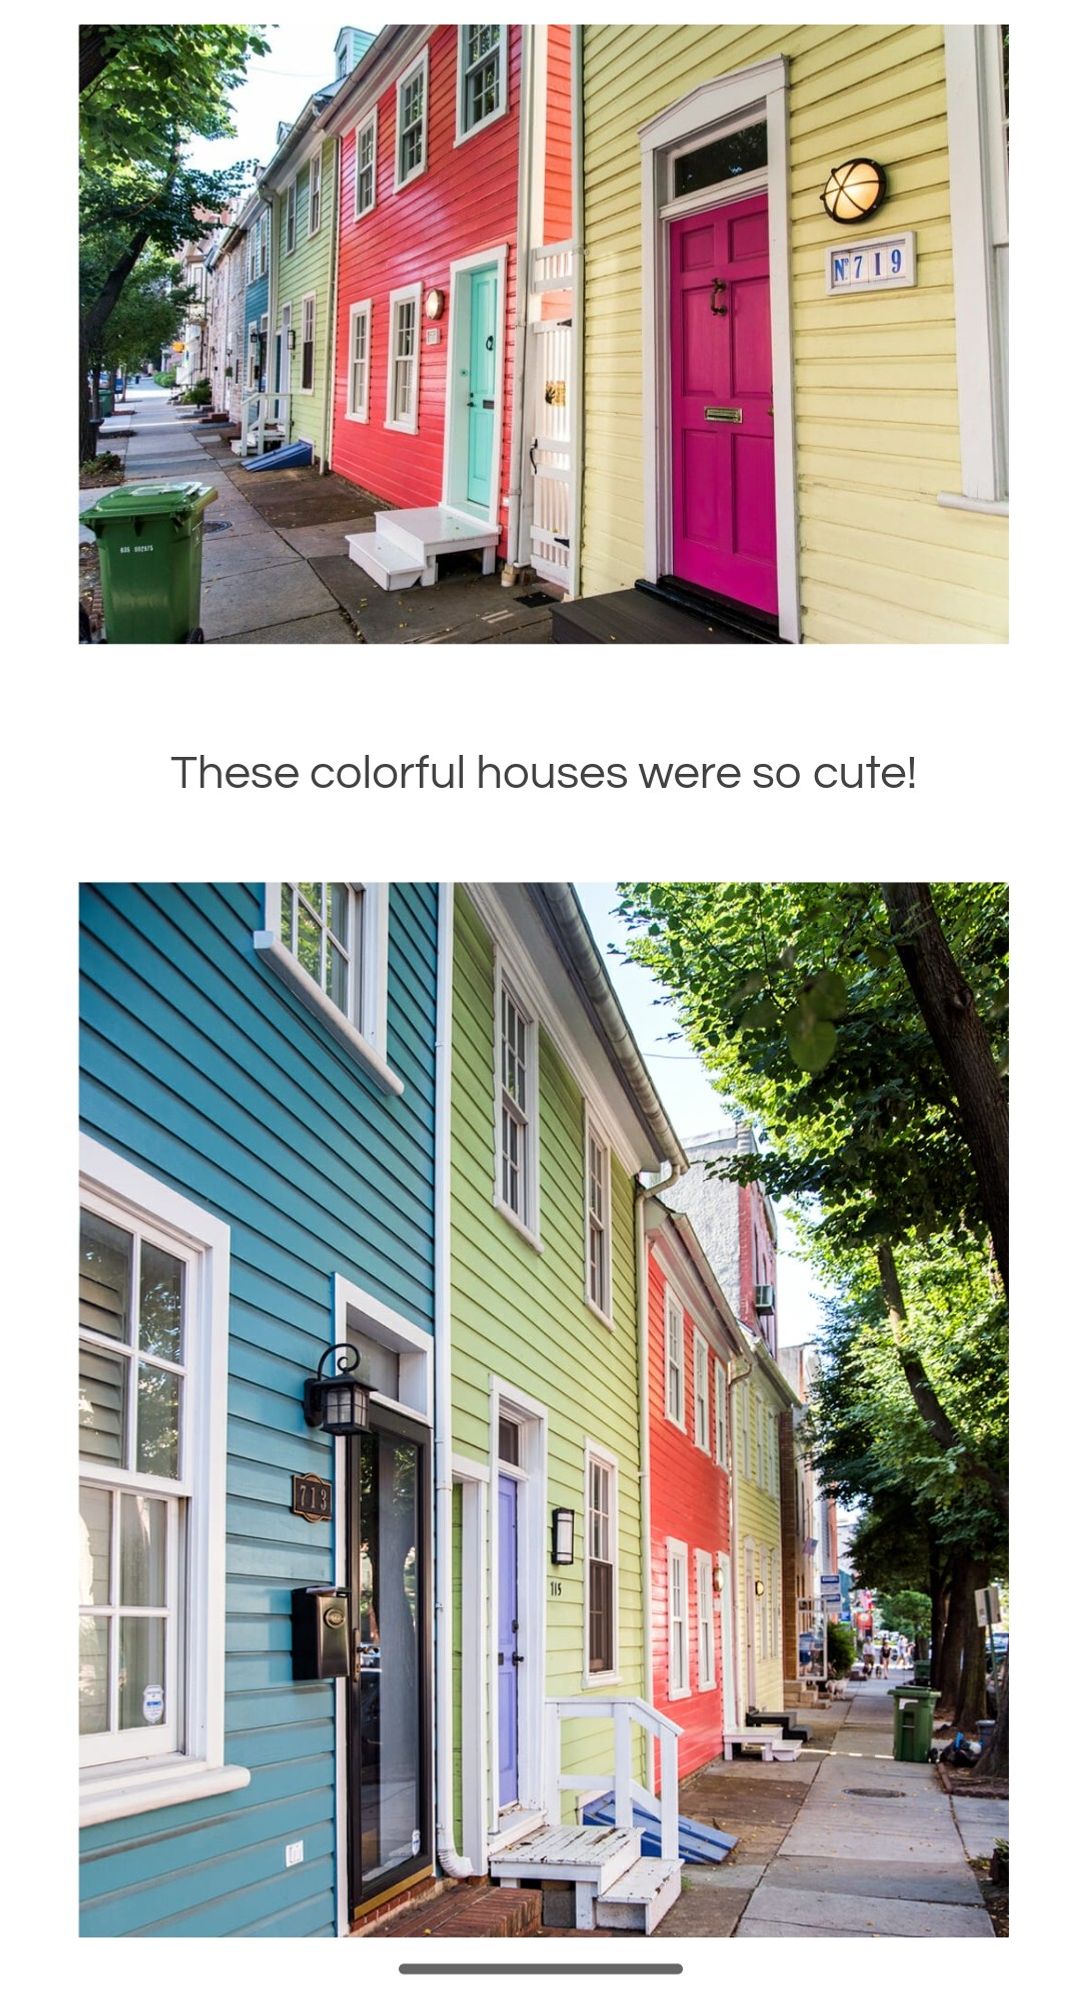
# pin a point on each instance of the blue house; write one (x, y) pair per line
(259, 1094)
(255, 219)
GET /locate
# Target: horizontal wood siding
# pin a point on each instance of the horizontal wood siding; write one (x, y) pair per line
(520, 1314)
(306, 269)
(759, 1516)
(465, 201)
(200, 1066)
(558, 206)
(875, 377)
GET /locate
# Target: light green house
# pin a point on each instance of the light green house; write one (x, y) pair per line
(301, 186)
(552, 1118)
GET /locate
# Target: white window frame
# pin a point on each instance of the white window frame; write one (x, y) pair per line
(675, 1361)
(315, 191)
(720, 1413)
(596, 1454)
(464, 132)
(775, 1604)
(363, 1031)
(124, 1193)
(980, 250)
(760, 1473)
(358, 411)
(307, 303)
(253, 356)
(707, 1630)
(677, 1561)
(264, 242)
(291, 217)
(700, 1388)
(419, 63)
(599, 1301)
(527, 1220)
(368, 124)
(403, 295)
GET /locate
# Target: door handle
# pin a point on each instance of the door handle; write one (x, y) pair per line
(719, 286)
(356, 1652)
(499, 1659)
(516, 1659)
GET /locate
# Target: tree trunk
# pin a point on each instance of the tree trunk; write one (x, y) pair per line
(972, 1691)
(95, 54)
(940, 1597)
(94, 322)
(923, 1394)
(995, 1762)
(946, 1002)
(947, 1667)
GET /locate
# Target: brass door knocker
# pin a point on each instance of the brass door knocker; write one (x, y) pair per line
(719, 286)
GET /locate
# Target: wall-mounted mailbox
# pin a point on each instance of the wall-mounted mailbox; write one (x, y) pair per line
(320, 1633)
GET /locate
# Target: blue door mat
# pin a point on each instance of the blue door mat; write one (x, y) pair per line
(696, 1842)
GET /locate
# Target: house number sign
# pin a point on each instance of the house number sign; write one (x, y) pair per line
(312, 1498)
(872, 263)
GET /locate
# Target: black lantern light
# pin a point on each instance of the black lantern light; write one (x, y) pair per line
(562, 1535)
(854, 190)
(338, 1402)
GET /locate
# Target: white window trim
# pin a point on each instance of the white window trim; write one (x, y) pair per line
(264, 243)
(614, 1673)
(418, 63)
(700, 1371)
(360, 416)
(462, 133)
(704, 1615)
(308, 297)
(290, 201)
(118, 1791)
(372, 121)
(720, 1414)
(368, 1041)
(678, 1551)
(761, 1476)
(528, 1225)
(411, 423)
(977, 172)
(677, 1417)
(252, 383)
(592, 1131)
(315, 165)
(775, 1604)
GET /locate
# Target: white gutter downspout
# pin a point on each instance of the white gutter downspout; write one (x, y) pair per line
(578, 205)
(522, 274)
(641, 1195)
(332, 313)
(450, 1860)
(735, 1377)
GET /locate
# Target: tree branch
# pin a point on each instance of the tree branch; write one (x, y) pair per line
(922, 1391)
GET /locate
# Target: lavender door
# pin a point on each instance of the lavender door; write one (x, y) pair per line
(507, 1657)
(724, 530)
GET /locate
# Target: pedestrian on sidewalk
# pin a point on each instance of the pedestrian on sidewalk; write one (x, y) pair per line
(884, 1659)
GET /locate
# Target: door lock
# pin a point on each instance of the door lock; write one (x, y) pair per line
(516, 1659)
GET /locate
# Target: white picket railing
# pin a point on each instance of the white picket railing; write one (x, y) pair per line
(626, 1713)
(264, 410)
(551, 268)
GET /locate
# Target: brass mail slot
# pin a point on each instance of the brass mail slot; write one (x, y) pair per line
(724, 416)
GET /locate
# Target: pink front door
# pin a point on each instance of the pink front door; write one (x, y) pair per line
(724, 527)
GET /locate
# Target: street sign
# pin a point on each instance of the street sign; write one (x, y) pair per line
(988, 1606)
(831, 1590)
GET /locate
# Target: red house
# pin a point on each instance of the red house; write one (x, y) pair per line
(693, 1342)
(452, 332)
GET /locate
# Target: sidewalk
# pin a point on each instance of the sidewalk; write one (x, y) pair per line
(275, 566)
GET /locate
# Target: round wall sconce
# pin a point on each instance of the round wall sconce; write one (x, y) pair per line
(338, 1402)
(759, 1587)
(562, 1535)
(854, 190)
(718, 1580)
(433, 305)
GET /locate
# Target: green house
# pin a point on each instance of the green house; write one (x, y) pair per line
(552, 1120)
(301, 187)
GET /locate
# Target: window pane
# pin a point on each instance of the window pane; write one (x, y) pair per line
(338, 979)
(94, 1515)
(102, 1387)
(287, 914)
(508, 1440)
(142, 1672)
(722, 160)
(338, 911)
(161, 1301)
(93, 1676)
(105, 1259)
(142, 1549)
(158, 1422)
(309, 946)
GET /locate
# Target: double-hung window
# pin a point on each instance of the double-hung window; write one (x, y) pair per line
(364, 165)
(328, 942)
(701, 1391)
(516, 1117)
(679, 1668)
(291, 217)
(315, 193)
(307, 343)
(707, 1662)
(411, 139)
(360, 361)
(673, 1359)
(482, 76)
(602, 1540)
(403, 359)
(720, 1414)
(760, 1442)
(153, 1314)
(264, 242)
(598, 1227)
(253, 254)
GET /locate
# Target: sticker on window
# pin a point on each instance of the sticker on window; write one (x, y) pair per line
(416, 1840)
(153, 1703)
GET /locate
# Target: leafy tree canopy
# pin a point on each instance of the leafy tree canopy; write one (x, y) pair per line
(145, 85)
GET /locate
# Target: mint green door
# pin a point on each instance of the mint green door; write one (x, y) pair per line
(481, 401)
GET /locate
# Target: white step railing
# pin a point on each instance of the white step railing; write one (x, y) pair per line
(626, 1713)
(263, 411)
(551, 268)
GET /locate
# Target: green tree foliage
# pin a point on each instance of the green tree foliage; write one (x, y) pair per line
(906, 1611)
(840, 1648)
(148, 314)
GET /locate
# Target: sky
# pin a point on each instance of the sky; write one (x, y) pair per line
(686, 1092)
(276, 88)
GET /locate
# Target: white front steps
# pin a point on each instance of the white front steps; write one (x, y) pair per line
(613, 1885)
(406, 544)
(771, 1742)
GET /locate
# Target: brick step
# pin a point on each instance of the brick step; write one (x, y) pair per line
(469, 1910)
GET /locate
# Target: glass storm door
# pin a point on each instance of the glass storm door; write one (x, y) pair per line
(389, 1732)
(724, 526)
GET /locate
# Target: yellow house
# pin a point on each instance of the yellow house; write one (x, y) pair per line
(760, 1397)
(795, 412)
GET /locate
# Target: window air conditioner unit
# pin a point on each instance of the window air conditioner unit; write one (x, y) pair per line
(763, 1298)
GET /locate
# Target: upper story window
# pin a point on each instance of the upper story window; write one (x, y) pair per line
(411, 139)
(720, 1414)
(516, 1115)
(253, 253)
(328, 942)
(264, 243)
(701, 1391)
(598, 1223)
(315, 193)
(291, 217)
(602, 1541)
(482, 77)
(364, 170)
(977, 107)
(673, 1359)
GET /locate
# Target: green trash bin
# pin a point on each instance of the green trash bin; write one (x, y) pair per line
(150, 542)
(913, 1723)
(921, 1673)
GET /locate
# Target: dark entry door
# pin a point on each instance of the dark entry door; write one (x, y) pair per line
(389, 1746)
